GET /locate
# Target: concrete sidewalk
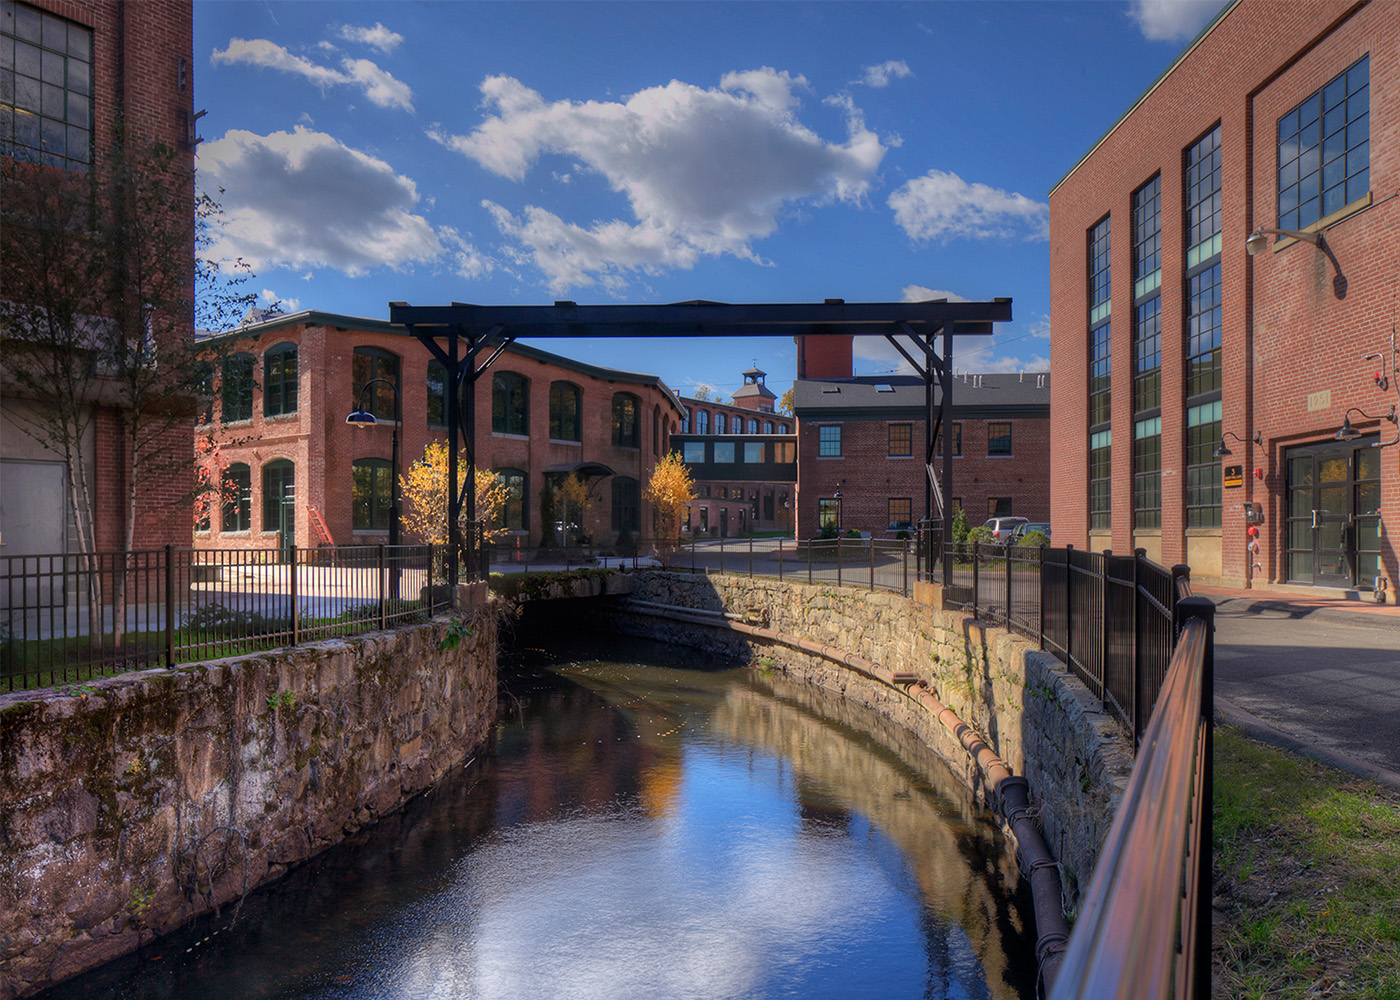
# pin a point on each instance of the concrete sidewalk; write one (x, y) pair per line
(1315, 603)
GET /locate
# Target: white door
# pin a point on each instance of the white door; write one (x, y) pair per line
(33, 501)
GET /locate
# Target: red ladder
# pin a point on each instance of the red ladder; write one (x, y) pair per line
(320, 523)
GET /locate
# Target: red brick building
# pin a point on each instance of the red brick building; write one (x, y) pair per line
(1193, 380)
(860, 453)
(743, 461)
(70, 70)
(280, 405)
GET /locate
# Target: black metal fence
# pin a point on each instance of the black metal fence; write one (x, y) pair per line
(70, 618)
(1109, 618)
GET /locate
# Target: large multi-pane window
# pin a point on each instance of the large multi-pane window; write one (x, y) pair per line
(901, 440)
(437, 394)
(279, 494)
(372, 363)
(829, 440)
(721, 424)
(512, 515)
(510, 403)
(237, 513)
(1100, 323)
(1324, 149)
(565, 412)
(45, 88)
(901, 513)
(625, 501)
(702, 421)
(237, 387)
(1203, 330)
(1202, 467)
(280, 380)
(1147, 296)
(1147, 473)
(1100, 480)
(828, 514)
(371, 492)
(626, 425)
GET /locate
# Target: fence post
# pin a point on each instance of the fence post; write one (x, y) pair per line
(1069, 606)
(1007, 550)
(1040, 586)
(810, 541)
(379, 582)
(721, 553)
(751, 557)
(838, 560)
(1138, 556)
(780, 559)
(432, 594)
(976, 565)
(1103, 629)
(296, 604)
(872, 565)
(904, 565)
(169, 605)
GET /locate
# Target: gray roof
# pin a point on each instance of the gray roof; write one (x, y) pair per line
(884, 396)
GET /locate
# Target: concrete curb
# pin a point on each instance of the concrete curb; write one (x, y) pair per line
(1255, 727)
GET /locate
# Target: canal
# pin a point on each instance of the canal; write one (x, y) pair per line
(647, 825)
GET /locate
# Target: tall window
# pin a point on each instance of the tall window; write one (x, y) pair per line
(512, 515)
(685, 421)
(1100, 324)
(625, 500)
(901, 513)
(956, 437)
(1147, 473)
(437, 394)
(829, 440)
(45, 88)
(237, 513)
(626, 429)
(279, 495)
(828, 512)
(999, 437)
(1202, 467)
(237, 388)
(767, 427)
(721, 424)
(753, 426)
(371, 363)
(280, 380)
(1324, 149)
(371, 493)
(565, 412)
(1147, 295)
(1100, 485)
(901, 440)
(702, 421)
(510, 403)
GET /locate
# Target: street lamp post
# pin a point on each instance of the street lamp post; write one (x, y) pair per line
(362, 417)
(837, 497)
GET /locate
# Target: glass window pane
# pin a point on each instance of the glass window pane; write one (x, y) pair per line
(79, 77)
(1358, 186)
(27, 59)
(1334, 93)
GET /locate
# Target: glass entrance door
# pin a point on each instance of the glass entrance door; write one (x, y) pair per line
(1333, 513)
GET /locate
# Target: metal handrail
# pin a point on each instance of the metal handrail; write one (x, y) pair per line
(1144, 928)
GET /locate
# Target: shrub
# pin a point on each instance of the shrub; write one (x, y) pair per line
(960, 527)
(981, 533)
(1034, 538)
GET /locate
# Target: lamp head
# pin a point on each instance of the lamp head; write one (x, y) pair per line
(1347, 432)
(1257, 243)
(1222, 450)
(361, 418)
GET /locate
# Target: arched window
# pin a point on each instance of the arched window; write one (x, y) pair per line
(237, 388)
(280, 379)
(371, 494)
(510, 403)
(753, 426)
(513, 515)
(237, 513)
(437, 394)
(565, 412)
(702, 421)
(721, 424)
(624, 503)
(371, 363)
(626, 432)
(782, 428)
(279, 496)
(685, 421)
(767, 427)
(656, 430)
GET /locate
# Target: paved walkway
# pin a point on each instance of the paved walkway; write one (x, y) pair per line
(1317, 672)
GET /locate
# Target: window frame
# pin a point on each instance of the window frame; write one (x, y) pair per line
(272, 470)
(893, 506)
(510, 403)
(622, 437)
(514, 514)
(560, 414)
(280, 386)
(626, 504)
(236, 385)
(993, 435)
(239, 509)
(371, 509)
(828, 440)
(57, 98)
(1305, 191)
(367, 364)
(899, 440)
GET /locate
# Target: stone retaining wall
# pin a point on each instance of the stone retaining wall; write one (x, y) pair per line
(1038, 717)
(130, 805)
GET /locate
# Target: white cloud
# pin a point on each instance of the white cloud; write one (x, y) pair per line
(918, 293)
(467, 260)
(303, 200)
(885, 72)
(378, 85)
(379, 36)
(942, 206)
(705, 171)
(1172, 20)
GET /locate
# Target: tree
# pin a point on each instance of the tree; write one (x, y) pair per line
(424, 489)
(704, 392)
(99, 292)
(785, 402)
(575, 501)
(669, 490)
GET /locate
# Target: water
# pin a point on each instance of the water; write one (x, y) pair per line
(640, 831)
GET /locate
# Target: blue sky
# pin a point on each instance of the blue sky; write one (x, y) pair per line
(520, 153)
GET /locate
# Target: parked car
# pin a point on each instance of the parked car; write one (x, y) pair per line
(1041, 526)
(1004, 529)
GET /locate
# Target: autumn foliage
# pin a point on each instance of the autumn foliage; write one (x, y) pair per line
(425, 495)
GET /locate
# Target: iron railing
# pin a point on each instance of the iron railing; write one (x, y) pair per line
(70, 618)
(1144, 929)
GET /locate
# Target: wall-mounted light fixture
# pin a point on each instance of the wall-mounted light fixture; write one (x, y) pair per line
(1349, 433)
(1222, 450)
(1258, 242)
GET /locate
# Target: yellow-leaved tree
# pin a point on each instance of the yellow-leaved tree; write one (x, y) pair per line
(424, 489)
(575, 501)
(669, 491)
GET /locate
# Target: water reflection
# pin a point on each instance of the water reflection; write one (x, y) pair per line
(640, 831)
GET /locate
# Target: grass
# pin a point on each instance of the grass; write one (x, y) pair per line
(1307, 878)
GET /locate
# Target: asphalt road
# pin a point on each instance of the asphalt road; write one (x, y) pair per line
(1332, 684)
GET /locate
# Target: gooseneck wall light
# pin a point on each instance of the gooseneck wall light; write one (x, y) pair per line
(1349, 433)
(1258, 242)
(1222, 450)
